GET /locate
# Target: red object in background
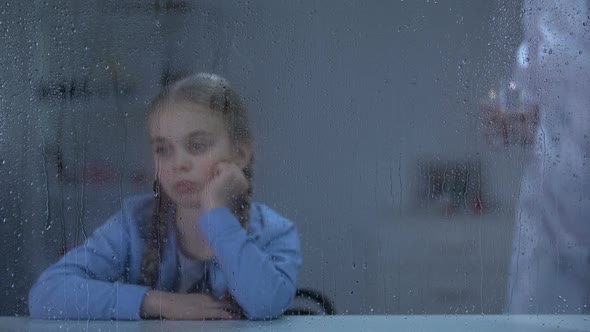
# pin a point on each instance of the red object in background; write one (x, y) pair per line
(514, 127)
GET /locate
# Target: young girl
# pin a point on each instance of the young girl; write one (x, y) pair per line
(195, 249)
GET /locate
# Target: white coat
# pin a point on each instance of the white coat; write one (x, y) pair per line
(550, 265)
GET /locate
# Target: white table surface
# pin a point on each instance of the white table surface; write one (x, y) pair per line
(320, 323)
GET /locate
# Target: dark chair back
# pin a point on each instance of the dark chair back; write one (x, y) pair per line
(321, 302)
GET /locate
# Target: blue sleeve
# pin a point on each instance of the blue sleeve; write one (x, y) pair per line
(84, 284)
(262, 280)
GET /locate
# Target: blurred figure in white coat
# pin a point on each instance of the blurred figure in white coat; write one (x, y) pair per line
(550, 264)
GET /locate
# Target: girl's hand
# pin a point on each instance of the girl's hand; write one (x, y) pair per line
(227, 184)
(176, 306)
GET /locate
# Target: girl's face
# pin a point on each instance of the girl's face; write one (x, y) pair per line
(187, 142)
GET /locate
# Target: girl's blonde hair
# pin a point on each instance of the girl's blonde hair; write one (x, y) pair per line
(212, 92)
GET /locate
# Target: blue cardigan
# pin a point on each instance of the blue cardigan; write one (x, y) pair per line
(100, 279)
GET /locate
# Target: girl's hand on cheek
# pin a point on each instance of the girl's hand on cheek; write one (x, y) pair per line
(227, 184)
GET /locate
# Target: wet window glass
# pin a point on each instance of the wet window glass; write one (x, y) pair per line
(337, 157)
